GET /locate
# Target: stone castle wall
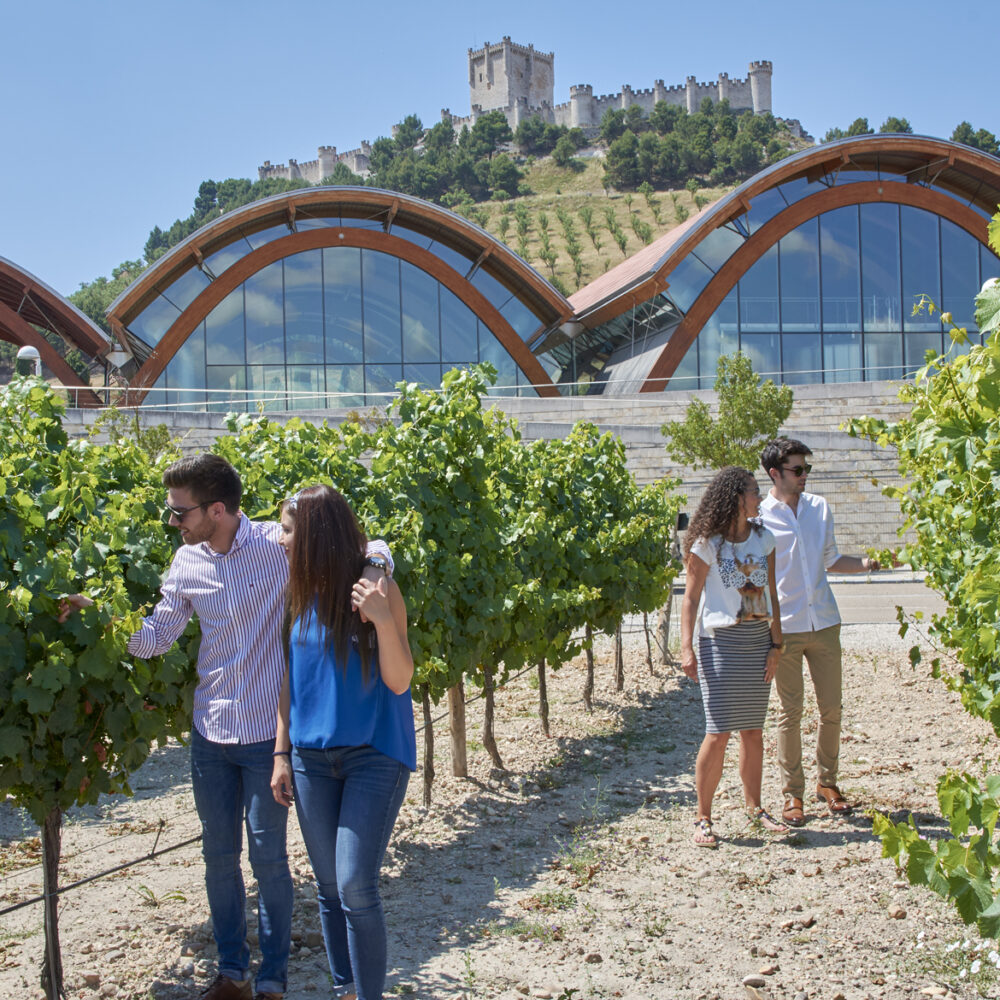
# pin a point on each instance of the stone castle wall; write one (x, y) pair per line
(843, 467)
(519, 80)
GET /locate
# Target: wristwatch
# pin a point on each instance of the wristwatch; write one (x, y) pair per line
(779, 646)
(379, 562)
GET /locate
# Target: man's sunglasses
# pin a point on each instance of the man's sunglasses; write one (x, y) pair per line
(181, 512)
(797, 470)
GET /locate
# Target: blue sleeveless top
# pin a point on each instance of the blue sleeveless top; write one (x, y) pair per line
(331, 707)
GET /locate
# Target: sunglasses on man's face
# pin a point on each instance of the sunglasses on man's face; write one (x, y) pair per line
(797, 470)
(181, 512)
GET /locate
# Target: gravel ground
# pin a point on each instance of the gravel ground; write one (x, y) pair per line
(571, 874)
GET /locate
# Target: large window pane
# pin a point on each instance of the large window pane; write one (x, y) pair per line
(458, 331)
(423, 374)
(759, 295)
(802, 358)
(187, 287)
(305, 384)
(841, 269)
(720, 244)
(685, 378)
(381, 379)
(916, 346)
(524, 321)
(842, 357)
(880, 267)
(720, 335)
(685, 282)
(342, 304)
(421, 316)
(990, 263)
(226, 384)
(265, 316)
(883, 356)
(267, 386)
(490, 349)
(380, 284)
(798, 254)
(347, 384)
(304, 307)
(764, 351)
(186, 371)
(154, 321)
(224, 340)
(959, 267)
(921, 261)
(765, 207)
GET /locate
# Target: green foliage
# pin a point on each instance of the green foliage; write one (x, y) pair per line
(896, 125)
(948, 451)
(981, 139)
(77, 714)
(858, 127)
(750, 414)
(94, 298)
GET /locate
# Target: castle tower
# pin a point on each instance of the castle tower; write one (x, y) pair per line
(327, 160)
(760, 86)
(581, 106)
(691, 83)
(724, 88)
(499, 75)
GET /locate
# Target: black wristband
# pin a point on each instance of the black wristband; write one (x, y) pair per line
(282, 753)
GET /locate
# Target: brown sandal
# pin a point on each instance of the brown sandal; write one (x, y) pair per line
(835, 802)
(703, 835)
(793, 813)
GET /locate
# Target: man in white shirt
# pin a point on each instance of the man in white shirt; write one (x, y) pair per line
(805, 551)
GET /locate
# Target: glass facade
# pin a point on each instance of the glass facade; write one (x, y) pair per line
(835, 299)
(333, 327)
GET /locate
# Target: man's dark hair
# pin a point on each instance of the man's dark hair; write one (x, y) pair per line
(208, 477)
(777, 451)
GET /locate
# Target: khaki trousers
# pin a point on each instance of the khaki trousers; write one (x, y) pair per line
(821, 650)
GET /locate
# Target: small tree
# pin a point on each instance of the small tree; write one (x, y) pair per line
(750, 413)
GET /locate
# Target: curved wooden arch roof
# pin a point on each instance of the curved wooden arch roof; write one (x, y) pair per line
(385, 207)
(971, 177)
(26, 302)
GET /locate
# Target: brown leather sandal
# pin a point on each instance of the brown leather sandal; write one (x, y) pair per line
(793, 813)
(835, 802)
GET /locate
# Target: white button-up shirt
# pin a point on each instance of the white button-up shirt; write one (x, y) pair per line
(805, 549)
(239, 598)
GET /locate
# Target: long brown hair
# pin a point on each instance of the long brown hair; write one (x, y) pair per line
(326, 557)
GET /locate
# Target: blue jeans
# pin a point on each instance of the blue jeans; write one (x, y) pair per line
(232, 787)
(347, 799)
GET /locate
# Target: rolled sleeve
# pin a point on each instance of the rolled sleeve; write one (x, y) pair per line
(830, 551)
(161, 629)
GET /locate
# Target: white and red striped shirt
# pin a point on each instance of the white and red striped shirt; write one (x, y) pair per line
(239, 598)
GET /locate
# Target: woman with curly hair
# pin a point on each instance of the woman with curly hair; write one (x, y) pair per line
(345, 741)
(731, 598)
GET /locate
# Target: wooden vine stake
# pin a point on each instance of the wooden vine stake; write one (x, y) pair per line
(588, 684)
(649, 644)
(52, 971)
(425, 700)
(619, 660)
(489, 740)
(543, 697)
(456, 722)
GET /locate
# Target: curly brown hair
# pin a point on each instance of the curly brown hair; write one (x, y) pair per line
(720, 505)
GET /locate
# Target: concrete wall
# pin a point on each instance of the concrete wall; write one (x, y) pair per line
(844, 467)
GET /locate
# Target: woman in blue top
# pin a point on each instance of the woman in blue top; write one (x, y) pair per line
(345, 727)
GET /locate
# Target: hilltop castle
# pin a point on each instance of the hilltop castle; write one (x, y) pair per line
(519, 81)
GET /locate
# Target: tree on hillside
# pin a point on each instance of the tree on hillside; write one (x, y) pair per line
(750, 412)
(342, 174)
(621, 168)
(408, 132)
(613, 124)
(489, 132)
(94, 298)
(986, 141)
(897, 125)
(857, 127)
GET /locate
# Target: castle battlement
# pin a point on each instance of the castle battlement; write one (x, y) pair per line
(519, 81)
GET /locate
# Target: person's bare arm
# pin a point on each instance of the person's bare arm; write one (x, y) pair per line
(697, 573)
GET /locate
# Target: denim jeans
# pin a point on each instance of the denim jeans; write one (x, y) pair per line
(347, 799)
(232, 787)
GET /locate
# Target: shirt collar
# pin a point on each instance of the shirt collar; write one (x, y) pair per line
(240, 538)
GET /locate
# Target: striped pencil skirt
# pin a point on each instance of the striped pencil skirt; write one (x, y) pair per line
(731, 676)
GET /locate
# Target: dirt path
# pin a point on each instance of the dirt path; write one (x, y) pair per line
(572, 874)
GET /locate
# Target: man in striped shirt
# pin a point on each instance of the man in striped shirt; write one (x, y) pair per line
(231, 572)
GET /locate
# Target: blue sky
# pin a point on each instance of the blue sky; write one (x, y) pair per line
(113, 112)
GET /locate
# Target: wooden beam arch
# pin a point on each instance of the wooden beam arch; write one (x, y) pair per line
(314, 239)
(782, 224)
